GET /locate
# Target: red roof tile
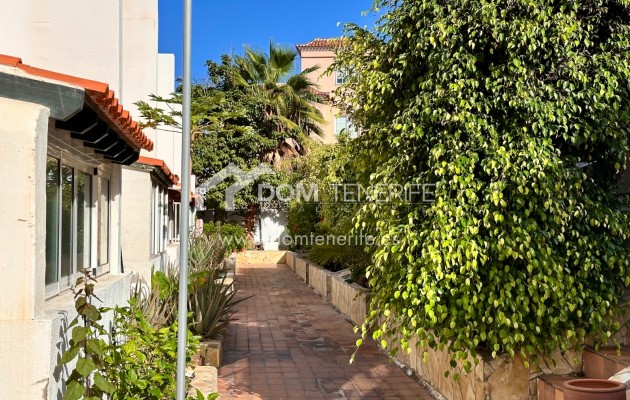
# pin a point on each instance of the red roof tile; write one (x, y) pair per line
(100, 94)
(160, 164)
(321, 44)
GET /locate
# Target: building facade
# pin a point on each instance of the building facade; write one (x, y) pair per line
(63, 144)
(90, 188)
(321, 53)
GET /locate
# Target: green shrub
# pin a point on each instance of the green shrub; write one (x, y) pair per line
(134, 360)
(206, 253)
(210, 297)
(495, 103)
(302, 219)
(329, 167)
(142, 361)
(232, 236)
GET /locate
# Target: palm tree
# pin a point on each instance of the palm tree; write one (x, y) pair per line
(287, 101)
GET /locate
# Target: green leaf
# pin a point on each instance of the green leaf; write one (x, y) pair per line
(69, 355)
(74, 391)
(103, 384)
(85, 366)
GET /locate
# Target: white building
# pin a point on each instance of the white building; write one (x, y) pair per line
(63, 143)
(89, 188)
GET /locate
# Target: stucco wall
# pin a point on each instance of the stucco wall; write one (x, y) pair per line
(168, 140)
(75, 37)
(326, 82)
(23, 139)
(58, 313)
(136, 214)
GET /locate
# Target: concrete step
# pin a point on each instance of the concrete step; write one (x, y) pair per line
(605, 362)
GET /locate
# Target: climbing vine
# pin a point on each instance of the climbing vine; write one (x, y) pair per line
(518, 112)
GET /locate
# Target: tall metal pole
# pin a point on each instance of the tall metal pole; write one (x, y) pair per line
(182, 321)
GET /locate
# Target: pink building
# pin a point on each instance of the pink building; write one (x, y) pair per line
(321, 52)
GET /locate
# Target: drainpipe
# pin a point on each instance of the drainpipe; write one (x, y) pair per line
(182, 325)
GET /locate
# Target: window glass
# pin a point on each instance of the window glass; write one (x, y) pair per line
(52, 225)
(84, 204)
(67, 198)
(103, 221)
(342, 123)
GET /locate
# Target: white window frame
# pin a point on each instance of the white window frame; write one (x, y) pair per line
(98, 267)
(347, 127)
(341, 77)
(159, 217)
(175, 209)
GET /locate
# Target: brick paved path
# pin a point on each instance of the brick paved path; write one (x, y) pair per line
(291, 344)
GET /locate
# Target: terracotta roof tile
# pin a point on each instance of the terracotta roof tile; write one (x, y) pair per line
(100, 94)
(321, 44)
(160, 164)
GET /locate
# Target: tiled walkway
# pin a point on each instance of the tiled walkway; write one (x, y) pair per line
(288, 343)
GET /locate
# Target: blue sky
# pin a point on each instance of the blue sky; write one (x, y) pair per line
(224, 26)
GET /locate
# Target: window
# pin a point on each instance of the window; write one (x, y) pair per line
(52, 221)
(159, 218)
(103, 224)
(174, 218)
(68, 223)
(84, 208)
(341, 77)
(343, 125)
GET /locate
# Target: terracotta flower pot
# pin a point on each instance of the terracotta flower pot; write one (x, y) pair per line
(594, 389)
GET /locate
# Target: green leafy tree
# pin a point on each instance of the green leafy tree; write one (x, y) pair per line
(518, 112)
(331, 169)
(248, 110)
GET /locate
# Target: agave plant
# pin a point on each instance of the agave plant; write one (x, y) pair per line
(206, 253)
(157, 302)
(212, 307)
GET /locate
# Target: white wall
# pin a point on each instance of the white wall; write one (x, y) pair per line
(23, 141)
(75, 37)
(168, 140)
(111, 41)
(271, 227)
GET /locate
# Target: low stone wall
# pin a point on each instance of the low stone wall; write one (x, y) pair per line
(501, 378)
(350, 299)
(320, 279)
(291, 260)
(261, 257)
(301, 268)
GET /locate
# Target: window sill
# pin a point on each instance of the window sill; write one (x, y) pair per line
(64, 301)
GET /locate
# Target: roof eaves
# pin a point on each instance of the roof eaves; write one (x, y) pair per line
(161, 165)
(99, 93)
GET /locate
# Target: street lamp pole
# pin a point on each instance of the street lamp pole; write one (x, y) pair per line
(182, 321)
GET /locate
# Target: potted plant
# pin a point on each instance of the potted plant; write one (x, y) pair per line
(594, 389)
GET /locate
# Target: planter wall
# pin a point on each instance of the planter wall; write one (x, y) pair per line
(291, 260)
(301, 268)
(501, 378)
(350, 299)
(320, 279)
